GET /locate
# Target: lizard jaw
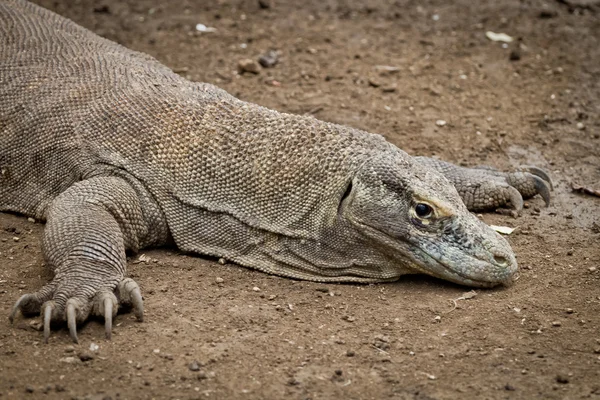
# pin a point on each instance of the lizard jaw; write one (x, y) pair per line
(441, 267)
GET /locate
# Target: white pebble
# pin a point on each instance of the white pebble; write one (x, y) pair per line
(204, 28)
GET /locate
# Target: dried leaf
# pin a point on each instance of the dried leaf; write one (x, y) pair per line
(498, 37)
(468, 295)
(505, 230)
(585, 190)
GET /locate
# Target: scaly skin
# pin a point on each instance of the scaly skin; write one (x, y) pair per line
(116, 152)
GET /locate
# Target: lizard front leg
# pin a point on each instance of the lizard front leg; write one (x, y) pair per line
(485, 188)
(88, 229)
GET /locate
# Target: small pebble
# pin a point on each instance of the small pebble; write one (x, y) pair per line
(29, 389)
(556, 323)
(269, 59)
(580, 126)
(440, 122)
(219, 280)
(350, 353)
(374, 82)
(194, 366)
(562, 379)
(592, 269)
(256, 289)
(509, 387)
(569, 311)
(36, 325)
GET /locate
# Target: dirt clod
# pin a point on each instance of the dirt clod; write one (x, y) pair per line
(248, 65)
(85, 355)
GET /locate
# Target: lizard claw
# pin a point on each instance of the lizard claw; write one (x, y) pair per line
(48, 309)
(129, 293)
(16, 308)
(516, 200)
(71, 321)
(543, 188)
(108, 307)
(138, 304)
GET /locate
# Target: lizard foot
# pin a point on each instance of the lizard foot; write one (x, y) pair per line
(55, 306)
(495, 189)
(485, 188)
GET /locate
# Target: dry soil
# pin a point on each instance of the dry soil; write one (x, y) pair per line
(225, 332)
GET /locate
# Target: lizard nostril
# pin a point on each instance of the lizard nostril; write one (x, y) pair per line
(501, 261)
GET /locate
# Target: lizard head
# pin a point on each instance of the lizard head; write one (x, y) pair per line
(416, 218)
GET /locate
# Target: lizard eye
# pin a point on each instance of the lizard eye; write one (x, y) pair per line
(423, 210)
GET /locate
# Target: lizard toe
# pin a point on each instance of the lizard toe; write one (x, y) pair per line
(539, 172)
(30, 303)
(494, 194)
(129, 294)
(532, 183)
(106, 305)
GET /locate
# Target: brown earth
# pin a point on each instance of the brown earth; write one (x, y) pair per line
(256, 336)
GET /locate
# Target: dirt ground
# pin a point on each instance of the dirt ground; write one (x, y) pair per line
(226, 332)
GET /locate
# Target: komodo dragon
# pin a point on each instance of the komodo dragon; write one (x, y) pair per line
(115, 152)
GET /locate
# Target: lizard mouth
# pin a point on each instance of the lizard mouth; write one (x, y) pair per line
(462, 278)
(437, 267)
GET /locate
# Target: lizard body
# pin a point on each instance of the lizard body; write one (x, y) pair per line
(116, 152)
